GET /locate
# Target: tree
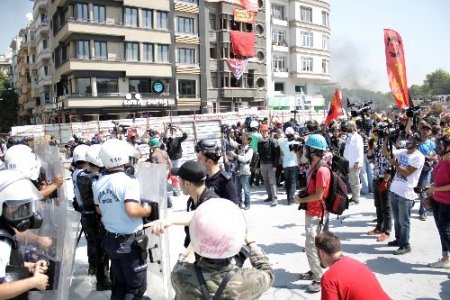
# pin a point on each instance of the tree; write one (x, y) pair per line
(417, 91)
(437, 83)
(8, 105)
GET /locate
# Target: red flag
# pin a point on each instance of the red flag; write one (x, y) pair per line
(335, 107)
(396, 68)
(243, 43)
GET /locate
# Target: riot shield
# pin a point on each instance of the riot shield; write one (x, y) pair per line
(153, 186)
(55, 240)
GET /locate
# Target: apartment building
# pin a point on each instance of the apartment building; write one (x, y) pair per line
(299, 51)
(5, 64)
(234, 63)
(112, 59)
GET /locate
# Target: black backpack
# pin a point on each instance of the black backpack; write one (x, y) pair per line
(337, 200)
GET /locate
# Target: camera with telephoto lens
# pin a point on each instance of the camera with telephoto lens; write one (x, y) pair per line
(297, 146)
(387, 130)
(413, 111)
(361, 109)
(302, 194)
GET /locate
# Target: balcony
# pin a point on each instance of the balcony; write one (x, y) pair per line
(42, 28)
(280, 46)
(44, 54)
(44, 80)
(112, 28)
(280, 21)
(38, 5)
(281, 73)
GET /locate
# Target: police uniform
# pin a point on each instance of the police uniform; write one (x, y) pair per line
(128, 262)
(93, 228)
(223, 186)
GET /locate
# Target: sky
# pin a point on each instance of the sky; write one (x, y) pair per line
(357, 48)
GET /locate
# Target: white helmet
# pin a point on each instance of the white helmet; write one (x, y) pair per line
(92, 155)
(23, 159)
(218, 229)
(79, 153)
(254, 124)
(114, 153)
(16, 189)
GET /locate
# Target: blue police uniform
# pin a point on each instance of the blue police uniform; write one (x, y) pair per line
(223, 186)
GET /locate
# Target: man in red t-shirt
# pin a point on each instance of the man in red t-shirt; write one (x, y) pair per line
(346, 278)
(315, 215)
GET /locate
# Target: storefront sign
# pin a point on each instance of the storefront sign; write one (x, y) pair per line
(149, 102)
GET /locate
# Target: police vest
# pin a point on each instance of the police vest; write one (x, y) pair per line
(84, 184)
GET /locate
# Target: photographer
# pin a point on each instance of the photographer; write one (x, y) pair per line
(288, 150)
(173, 143)
(315, 215)
(354, 153)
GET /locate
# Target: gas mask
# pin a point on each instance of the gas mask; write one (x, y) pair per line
(21, 214)
(441, 146)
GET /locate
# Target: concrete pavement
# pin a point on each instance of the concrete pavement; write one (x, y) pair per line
(280, 232)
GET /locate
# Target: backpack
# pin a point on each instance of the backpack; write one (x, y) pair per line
(337, 200)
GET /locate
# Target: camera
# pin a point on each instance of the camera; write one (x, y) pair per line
(361, 109)
(302, 194)
(297, 145)
(386, 130)
(413, 111)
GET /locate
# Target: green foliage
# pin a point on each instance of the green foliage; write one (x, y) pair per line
(8, 105)
(437, 83)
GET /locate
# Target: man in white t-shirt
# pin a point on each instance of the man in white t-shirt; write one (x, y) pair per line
(408, 163)
(354, 153)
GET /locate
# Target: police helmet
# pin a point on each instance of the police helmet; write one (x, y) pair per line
(93, 155)
(114, 153)
(79, 153)
(23, 159)
(218, 229)
(209, 146)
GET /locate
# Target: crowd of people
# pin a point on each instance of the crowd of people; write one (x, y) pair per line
(399, 158)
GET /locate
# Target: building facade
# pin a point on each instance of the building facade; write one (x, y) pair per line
(300, 53)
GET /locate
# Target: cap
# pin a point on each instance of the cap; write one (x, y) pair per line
(289, 130)
(264, 127)
(154, 142)
(190, 171)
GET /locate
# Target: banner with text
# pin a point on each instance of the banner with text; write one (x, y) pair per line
(244, 16)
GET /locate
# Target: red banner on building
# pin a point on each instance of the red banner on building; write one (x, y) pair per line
(396, 68)
(243, 43)
(243, 15)
(335, 107)
(250, 5)
(237, 66)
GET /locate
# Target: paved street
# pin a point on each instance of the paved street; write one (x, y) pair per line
(280, 232)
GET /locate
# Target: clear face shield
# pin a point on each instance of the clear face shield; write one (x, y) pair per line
(17, 210)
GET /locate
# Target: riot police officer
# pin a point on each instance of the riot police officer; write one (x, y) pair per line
(208, 154)
(90, 219)
(117, 194)
(18, 197)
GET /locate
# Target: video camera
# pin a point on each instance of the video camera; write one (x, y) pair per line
(360, 109)
(413, 111)
(387, 130)
(18, 140)
(298, 145)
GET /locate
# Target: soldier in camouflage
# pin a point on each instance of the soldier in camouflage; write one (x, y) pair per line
(218, 232)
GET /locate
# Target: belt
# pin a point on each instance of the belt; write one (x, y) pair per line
(113, 235)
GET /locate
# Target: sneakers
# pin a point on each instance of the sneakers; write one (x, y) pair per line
(247, 207)
(273, 204)
(383, 237)
(268, 200)
(402, 250)
(307, 276)
(393, 243)
(375, 231)
(443, 263)
(423, 217)
(314, 287)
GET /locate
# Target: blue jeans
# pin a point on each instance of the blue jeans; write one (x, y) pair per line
(441, 214)
(424, 180)
(401, 211)
(366, 177)
(175, 163)
(290, 181)
(242, 182)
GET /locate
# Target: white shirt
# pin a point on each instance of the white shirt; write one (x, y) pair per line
(354, 150)
(404, 186)
(5, 253)
(111, 191)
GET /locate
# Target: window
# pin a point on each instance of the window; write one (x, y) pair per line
(225, 79)
(307, 39)
(163, 53)
(185, 25)
(147, 18)
(82, 50)
(100, 50)
(278, 12)
(279, 87)
(132, 51)
(325, 42)
(224, 22)
(189, 1)
(148, 52)
(325, 18)
(306, 14)
(81, 12)
(139, 85)
(251, 79)
(107, 86)
(82, 86)
(307, 64)
(299, 88)
(279, 64)
(99, 12)
(325, 63)
(130, 16)
(44, 44)
(214, 80)
(186, 56)
(279, 38)
(186, 88)
(212, 22)
(212, 51)
(162, 19)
